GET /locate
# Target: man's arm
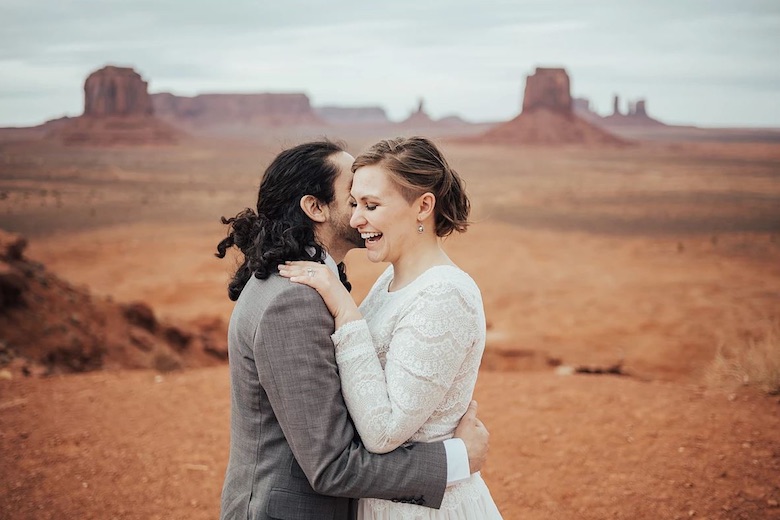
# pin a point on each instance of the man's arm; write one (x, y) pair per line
(296, 362)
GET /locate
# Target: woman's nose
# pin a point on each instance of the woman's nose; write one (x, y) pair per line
(357, 218)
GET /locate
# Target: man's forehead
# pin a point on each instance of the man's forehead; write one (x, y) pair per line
(344, 161)
(343, 181)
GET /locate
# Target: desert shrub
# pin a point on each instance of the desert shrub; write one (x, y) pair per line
(749, 359)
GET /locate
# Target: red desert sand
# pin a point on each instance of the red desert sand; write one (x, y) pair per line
(632, 297)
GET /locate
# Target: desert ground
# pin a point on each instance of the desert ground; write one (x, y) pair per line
(656, 266)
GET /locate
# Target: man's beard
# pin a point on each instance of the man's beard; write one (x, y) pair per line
(349, 234)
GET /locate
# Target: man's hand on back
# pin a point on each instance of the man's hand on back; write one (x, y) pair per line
(475, 436)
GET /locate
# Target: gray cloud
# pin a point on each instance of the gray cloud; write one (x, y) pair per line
(463, 57)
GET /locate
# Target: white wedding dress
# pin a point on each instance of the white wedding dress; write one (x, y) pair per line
(408, 371)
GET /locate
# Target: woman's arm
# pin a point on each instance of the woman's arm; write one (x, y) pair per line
(426, 351)
(427, 348)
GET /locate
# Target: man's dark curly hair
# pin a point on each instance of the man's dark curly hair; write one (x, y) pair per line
(279, 230)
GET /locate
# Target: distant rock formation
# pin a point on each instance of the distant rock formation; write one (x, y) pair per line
(48, 326)
(261, 109)
(547, 88)
(116, 91)
(581, 105)
(549, 128)
(419, 118)
(582, 108)
(114, 130)
(636, 116)
(548, 117)
(616, 105)
(353, 115)
(637, 108)
(117, 110)
(453, 120)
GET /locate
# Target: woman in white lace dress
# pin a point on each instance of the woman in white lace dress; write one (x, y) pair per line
(409, 356)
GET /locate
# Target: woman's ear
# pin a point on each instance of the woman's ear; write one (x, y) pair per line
(314, 209)
(425, 204)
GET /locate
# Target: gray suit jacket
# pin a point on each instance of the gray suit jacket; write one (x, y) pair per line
(294, 452)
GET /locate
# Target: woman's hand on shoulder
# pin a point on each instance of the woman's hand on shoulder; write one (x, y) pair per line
(326, 282)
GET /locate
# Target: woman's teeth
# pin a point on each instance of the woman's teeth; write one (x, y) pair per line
(370, 236)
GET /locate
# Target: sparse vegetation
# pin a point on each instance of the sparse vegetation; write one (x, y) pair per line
(749, 359)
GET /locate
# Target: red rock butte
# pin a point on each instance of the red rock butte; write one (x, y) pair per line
(547, 117)
(547, 88)
(117, 110)
(116, 91)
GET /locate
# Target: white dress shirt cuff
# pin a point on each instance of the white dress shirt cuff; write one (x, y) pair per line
(457, 460)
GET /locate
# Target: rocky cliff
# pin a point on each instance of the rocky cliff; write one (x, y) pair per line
(48, 326)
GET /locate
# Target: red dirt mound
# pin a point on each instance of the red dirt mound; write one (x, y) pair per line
(549, 127)
(113, 130)
(48, 326)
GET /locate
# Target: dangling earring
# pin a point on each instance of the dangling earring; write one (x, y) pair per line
(420, 228)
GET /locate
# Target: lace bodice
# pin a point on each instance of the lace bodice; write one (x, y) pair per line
(408, 368)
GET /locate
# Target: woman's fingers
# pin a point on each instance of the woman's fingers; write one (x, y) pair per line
(326, 282)
(307, 273)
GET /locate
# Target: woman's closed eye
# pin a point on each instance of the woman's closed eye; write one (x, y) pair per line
(369, 207)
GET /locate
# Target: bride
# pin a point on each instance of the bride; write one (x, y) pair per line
(409, 356)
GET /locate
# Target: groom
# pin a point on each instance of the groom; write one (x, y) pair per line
(294, 452)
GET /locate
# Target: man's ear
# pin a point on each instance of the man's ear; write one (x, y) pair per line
(314, 209)
(425, 204)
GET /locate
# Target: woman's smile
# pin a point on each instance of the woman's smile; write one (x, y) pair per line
(371, 238)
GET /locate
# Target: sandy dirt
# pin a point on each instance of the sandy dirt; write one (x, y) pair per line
(651, 258)
(136, 444)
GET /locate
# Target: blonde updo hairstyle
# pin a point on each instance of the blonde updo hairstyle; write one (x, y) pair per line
(416, 166)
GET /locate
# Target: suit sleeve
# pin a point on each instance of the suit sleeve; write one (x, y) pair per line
(296, 361)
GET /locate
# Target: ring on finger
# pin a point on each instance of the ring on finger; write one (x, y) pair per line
(310, 272)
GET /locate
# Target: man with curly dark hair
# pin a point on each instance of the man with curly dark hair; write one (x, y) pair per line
(294, 452)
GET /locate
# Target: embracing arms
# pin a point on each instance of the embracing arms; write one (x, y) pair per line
(296, 362)
(428, 347)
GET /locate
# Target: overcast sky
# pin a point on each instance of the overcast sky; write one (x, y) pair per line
(706, 62)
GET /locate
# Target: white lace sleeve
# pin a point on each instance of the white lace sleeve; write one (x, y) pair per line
(428, 347)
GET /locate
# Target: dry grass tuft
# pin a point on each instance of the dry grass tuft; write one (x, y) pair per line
(749, 359)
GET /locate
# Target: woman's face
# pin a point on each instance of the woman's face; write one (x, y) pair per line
(385, 220)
